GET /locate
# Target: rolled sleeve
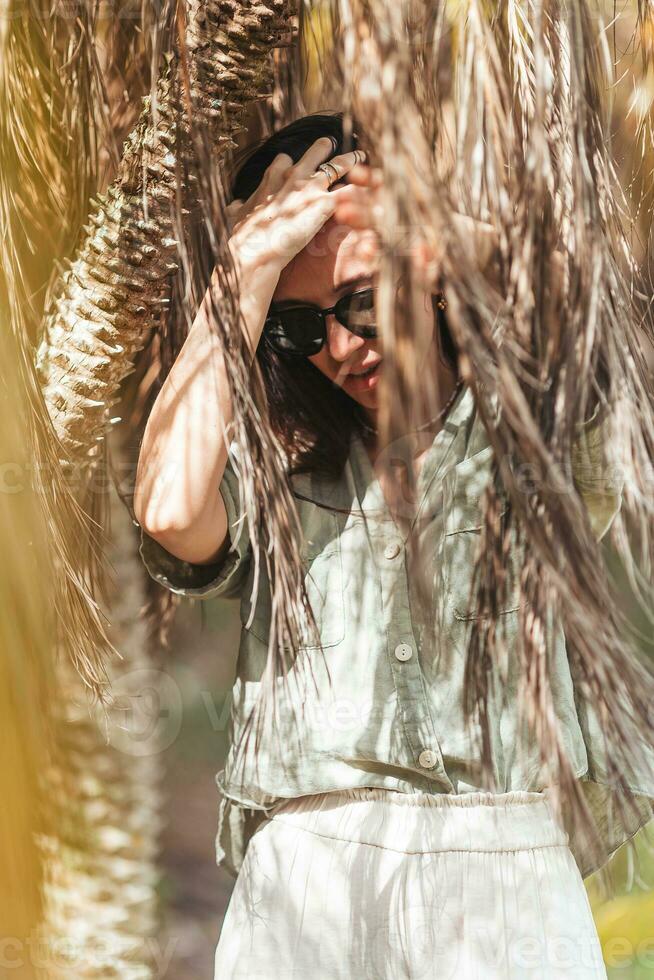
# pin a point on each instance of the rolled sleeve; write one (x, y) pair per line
(223, 578)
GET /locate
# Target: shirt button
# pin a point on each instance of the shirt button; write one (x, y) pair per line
(392, 550)
(403, 651)
(427, 759)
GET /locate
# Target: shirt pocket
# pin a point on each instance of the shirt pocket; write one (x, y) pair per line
(321, 556)
(464, 487)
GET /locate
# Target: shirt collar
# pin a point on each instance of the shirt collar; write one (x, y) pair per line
(360, 487)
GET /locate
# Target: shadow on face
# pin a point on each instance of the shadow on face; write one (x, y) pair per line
(337, 261)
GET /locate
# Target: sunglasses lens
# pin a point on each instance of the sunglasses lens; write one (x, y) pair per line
(358, 310)
(295, 332)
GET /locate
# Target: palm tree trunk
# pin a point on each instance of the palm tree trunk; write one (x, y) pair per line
(114, 292)
(101, 884)
(101, 908)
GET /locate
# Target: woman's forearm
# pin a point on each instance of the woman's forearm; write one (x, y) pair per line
(183, 453)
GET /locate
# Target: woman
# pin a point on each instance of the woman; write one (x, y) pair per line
(364, 842)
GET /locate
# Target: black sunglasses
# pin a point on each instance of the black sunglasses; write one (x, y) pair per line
(301, 328)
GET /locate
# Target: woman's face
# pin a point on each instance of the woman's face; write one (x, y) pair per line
(338, 260)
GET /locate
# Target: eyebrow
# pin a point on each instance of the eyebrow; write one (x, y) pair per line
(352, 280)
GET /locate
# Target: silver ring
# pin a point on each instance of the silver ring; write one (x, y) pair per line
(323, 167)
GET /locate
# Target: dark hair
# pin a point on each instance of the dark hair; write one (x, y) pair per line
(313, 418)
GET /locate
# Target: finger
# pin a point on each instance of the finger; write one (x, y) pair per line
(276, 173)
(365, 176)
(315, 155)
(341, 165)
(354, 216)
(332, 177)
(232, 211)
(358, 211)
(353, 194)
(345, 162)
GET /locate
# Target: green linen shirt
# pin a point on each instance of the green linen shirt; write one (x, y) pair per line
(387, 707)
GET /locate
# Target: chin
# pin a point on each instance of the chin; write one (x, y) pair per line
(367, 400)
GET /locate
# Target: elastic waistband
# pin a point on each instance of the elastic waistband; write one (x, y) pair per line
(417, 823)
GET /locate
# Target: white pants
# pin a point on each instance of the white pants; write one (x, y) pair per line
(369, 884)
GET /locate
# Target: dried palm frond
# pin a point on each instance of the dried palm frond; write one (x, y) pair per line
(141, 232)
(50, 132)
(632, 43)
(157, 227)
(501, 113)
(90, 826)
(495, 111)
(556, 333)
(29, 687)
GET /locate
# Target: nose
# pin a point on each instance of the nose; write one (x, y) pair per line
(342, 343)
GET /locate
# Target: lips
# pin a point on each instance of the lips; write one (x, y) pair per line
(364, 379)
(365, 371)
